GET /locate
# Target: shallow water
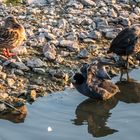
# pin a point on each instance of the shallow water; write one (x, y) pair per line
(70, 116)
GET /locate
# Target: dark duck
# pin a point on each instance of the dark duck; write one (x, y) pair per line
(93, 81)
(126, 43)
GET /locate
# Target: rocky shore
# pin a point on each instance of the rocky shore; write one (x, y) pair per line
(61, 36)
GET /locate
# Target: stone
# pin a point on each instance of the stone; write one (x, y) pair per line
(10, 82)
(35, 62)
(62, 23)
(95, 35)
(88, 2)
(18, 72)
(32, 95)
(124, 21)
(83, 54)
(71, 45)
(111, 35)
(49, 35)
(3, 75)
(2, 107)
(20, 65)
(39, 70)
(49, 51)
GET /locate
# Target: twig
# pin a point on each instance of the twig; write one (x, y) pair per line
(10, 105)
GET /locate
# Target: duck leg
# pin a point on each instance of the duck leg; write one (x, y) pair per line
(7, 53)
(127, 63)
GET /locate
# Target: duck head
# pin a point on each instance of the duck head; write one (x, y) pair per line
(78, 79)
(11, 22)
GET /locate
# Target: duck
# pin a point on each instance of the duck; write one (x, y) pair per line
(126, 43)
(94, 82)
(12, 35)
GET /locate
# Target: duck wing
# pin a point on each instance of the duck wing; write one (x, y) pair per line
(9, 38)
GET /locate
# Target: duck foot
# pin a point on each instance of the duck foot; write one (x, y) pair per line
(7, 53)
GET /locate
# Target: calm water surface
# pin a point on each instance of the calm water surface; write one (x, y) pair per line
(70, 116)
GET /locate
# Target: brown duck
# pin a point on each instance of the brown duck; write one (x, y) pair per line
(12, 35)
(126, 42)
(94, 83)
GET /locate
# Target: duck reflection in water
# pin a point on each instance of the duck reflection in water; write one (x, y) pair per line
(130, 91)
(96, 113)
(14, 116)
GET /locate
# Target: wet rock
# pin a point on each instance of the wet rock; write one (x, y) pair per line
(49, 51)
(71, 45)
(35, 63)
(32, 95)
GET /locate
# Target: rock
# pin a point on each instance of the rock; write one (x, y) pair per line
(88, 2)
(2, 107)
(59, 59)
(20, 65)
(64, 53)
(36, 1)
(111, 35)
(10, 82)
(18, 72)
(95, 35)
(49, 51)
(20, 50)
(3, 75)
(124, 21)
(83, 54)
(41, 38)
(71, 45)
(137, 10)
(62, 23)
(110, 1)
(3, 96)
(39, 70)
(35, 63)
(49, 35)
(86, 21)
(32, 95)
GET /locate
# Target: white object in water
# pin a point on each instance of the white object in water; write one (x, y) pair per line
(49, 129)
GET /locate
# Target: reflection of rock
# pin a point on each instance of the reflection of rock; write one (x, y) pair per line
(14, 116)
(130, 91)
(95, 113)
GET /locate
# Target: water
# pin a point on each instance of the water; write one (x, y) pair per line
(70, 116)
